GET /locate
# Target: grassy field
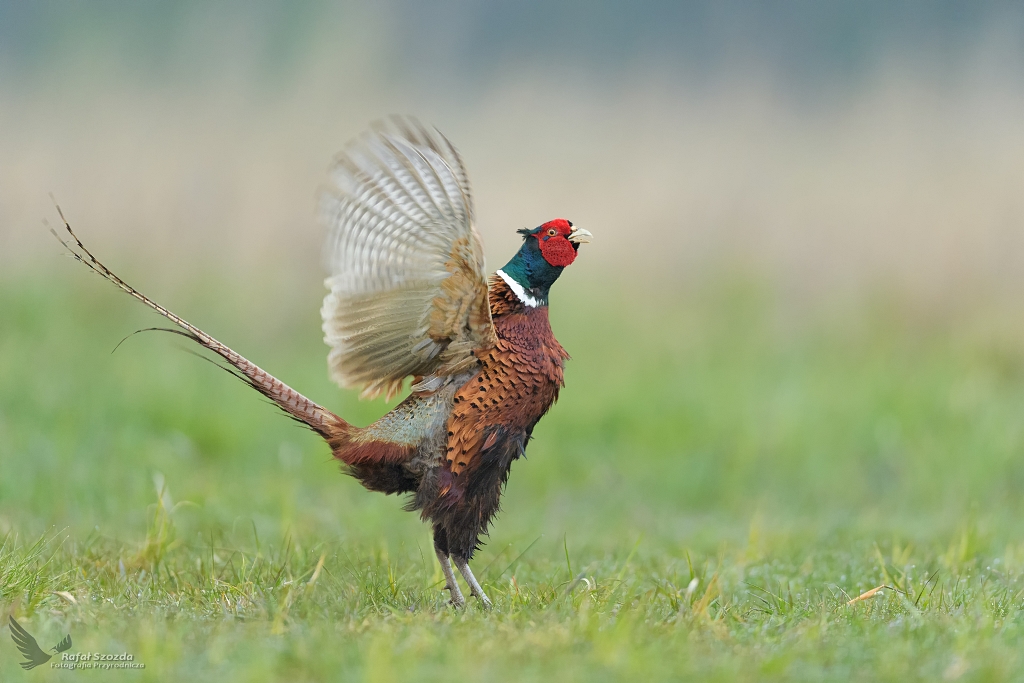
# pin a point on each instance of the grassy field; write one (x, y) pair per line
(722, 475)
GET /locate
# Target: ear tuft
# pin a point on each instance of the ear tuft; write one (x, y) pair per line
(525, 232)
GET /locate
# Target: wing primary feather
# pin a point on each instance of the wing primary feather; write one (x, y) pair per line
(410, 163)
(64, 645)
(27, 645)
(400, 219)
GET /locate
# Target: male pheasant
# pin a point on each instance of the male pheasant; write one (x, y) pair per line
(409, 296)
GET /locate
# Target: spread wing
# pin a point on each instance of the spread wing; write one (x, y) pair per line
(64, 645)
(27, 645)
(407, 276)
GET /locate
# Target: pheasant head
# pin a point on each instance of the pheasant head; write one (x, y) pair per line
(546, 251)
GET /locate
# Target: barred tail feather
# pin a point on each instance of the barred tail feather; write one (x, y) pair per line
(322, 421)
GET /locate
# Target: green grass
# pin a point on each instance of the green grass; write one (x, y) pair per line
(721, 475)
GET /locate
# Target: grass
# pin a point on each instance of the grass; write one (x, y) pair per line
(720, 478)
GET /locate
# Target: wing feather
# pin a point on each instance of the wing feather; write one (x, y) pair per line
(27, 645)
(408, 284)
(64, 645)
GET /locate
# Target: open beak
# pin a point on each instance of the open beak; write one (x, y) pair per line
(580, 236)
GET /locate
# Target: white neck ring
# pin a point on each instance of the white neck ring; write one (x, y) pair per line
(528, 300)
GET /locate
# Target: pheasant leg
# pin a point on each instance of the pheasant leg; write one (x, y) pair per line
(474, 585)
(449, 580)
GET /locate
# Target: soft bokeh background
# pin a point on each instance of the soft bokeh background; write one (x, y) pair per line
(799, 329)
(825, 145)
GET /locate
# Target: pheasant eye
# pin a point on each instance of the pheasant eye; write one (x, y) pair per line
(552, 232)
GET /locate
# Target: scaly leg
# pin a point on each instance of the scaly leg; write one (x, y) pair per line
(449, 579)
(474, 587)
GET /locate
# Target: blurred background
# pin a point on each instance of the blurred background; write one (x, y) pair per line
(827, 146)
(803, 298)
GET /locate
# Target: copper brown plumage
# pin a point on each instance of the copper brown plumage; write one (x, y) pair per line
(518, 380)
(409, 297)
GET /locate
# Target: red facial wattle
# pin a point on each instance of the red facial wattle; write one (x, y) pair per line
(555, 246)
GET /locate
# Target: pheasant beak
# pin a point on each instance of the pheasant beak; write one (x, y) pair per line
(580, 235)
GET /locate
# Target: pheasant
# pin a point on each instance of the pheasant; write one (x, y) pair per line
(410, 297)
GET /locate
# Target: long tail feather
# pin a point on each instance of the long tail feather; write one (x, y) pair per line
(319, 419)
